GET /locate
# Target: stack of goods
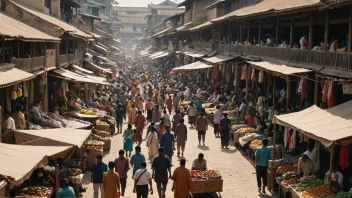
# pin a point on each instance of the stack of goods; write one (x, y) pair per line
(94, 148)
(35, 192)
(101, 133)
(90, 111)
(241, 132)
(340, 194)
(280, 162)
(111, 121)
(210, 110)
(208, 181)
(235, 120)
(286, 169)
(94, 144)
(255, 144)
(75, 176)
(68, 122)
(235, 127)
(287, 176)
(291, 181)
(208, 105)
(106, 140)
(103, 126)
(249, 137)
(184, 104)
(318, 191)
(306, 186)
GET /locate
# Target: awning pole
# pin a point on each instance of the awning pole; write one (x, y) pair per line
(56, 179)
(331, 161)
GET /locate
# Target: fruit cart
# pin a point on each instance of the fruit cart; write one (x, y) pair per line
(209, 181)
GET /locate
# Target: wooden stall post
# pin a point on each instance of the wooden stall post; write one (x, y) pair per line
(241, 39)
(326, 36)
(237, 77)
(331, 161)
(248, 33)
(316, 90)
(277, 31)
(311, 32)
(349, 39)
(247, 84)
(3, 49)
(288, 93)
(260, 31)
(18, 48)
(291, 33)
(56, 179)
(274, 87)
(238, 33)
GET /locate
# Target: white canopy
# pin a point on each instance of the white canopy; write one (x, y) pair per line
(19, 161)
(191, 66)
(325, 125)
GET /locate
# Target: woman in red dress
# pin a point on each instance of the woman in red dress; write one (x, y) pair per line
(169, 104)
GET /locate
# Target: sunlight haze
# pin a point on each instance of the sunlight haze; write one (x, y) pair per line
(139, 3)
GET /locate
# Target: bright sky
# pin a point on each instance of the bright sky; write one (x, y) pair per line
(137, 3)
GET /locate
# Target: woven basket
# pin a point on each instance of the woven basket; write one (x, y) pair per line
(103, 127)
(199, 187)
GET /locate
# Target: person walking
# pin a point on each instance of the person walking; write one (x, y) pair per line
(142, 178)
(152, 143)
(176, 119)
(167, 141)
(169, 104)
(192, 114)
(136, 159)
(225, 125)
(119, 114)
(111, 182)
(217, 118)
(98, 169)
(201, 126)
(132, 115)
(181, 137)
(156, 115)
(66, 191)
(182, 181)
(122, 166)
(127, 140)
(176, 101)
(161, 167)
(140, 123)
(262, 157)
(149, 108)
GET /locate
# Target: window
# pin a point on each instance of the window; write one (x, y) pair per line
(95, 12)
(47, 3)
(134, 28)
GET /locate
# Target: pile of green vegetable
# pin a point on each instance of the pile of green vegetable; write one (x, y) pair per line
(340, 194)
(289, 175)
(305, 186)
(234, 120)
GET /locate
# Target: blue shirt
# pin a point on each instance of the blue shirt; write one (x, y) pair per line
(98, 170)
(67, 192)
(166, 141)
(263, 155)
(137, 159)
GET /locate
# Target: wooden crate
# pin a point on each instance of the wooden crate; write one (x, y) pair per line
(214, 185)
(103, 127)
(209, 186)
(199, 187)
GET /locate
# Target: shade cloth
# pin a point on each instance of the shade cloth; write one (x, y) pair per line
(324, 125)
(163, 32)
(162, 55)
(184, 27)
(52, 137)
(200, 53)
(282, 69)
(195, 65)
(98, 67)
(10, 75)
(155, 54)
(219, 58)
(19, 161)
(82, 69)
(78, 77)
(203, 25)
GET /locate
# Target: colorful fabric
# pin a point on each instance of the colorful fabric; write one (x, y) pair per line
(182, 182)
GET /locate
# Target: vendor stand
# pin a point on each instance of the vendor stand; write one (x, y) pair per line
(208, 181)
(329, 127)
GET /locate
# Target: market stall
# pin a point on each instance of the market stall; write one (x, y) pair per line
(330, 127)
(208, 181)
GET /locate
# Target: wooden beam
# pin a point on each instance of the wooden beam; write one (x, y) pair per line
(248, 33)
(241, 38)
(288, 93)
(349, 37)
(291, 33)
(277, 31)
(260, 31)
(332, 150)
(310, 32)
(316, 90)
(326, 36)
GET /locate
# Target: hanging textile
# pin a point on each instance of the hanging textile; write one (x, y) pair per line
(285, 136)
(325, 91)
(253, 74)
(331, 99)
(293, 139)
(14, 95)
(227, 74)
(25, 91)
(299, 90)
(344, 163)
(304, 89)
(244, 73)
(270, 79)
(261, 76)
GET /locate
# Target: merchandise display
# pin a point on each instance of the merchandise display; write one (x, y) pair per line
(34, 192)
(318, 191)
(285, 169)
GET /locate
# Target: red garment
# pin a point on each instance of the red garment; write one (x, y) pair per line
(325, 91)
(344, 157)
(140, 123)
(169, 103)
(304, 89)
(331, 99)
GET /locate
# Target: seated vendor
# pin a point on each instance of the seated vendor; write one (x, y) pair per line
(200, 163)
(249, 120)
(336, 177)
(305, 166)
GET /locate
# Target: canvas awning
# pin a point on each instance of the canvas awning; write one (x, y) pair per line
(54, 21)
(324, 125)
(276, 68)
(78, 77)
(163, 32)
(191, 52)
(192, 66)
(184, 27)
(200, 53)
(82, 69)
(166, 53)
(10, 27)
(98, 67)
(101, 48)
(155, 54)
(204, 25)
(10, 75)
(19, 161)
(219, 58)
(52, 137)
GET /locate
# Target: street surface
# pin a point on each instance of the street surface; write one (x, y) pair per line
(237, 170)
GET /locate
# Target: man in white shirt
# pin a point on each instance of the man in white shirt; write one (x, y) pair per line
(9, 122)
(142, 178)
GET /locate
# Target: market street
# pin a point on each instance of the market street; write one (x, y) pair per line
(237, 171)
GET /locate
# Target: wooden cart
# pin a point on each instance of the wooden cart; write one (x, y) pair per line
(209, 186)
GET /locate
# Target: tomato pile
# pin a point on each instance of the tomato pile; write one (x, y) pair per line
(318, 191)
(204, 175)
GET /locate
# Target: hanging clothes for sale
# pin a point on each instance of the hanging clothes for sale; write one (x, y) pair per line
(25, 91)
(331, 99)
(293, 139)
(227, 74)
(261, 76)
(344, 160)
(269, 79)
(325, 91)
(244, 73)
(253, 74)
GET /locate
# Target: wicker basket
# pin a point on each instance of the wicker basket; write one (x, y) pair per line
(199, 187)
(103, 127)
(209, 186)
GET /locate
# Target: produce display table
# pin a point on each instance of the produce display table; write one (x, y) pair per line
(295, 194)
(284, 190)
(209, 181)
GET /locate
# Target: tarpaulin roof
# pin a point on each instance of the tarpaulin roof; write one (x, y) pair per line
(219, 58)
(55, 21)
(155, 54)
(276, 68)
(166, 53)
(324, 125)
(191, 52)
(206, 24)
(19, 161)
(10, 75)
(163, 32)
(200, 53)
(10, 27)
(78, 77)
(82, 69)
(98, 67)
(191, 66)
(184, 27)
(52, 137)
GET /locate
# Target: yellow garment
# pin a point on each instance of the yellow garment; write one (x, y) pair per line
(305, 167)
(182, 182)
(111, 183)
(19, 92)
(132, 116)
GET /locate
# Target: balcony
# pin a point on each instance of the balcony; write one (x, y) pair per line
(203, 45)
(333, 60)
(74, 57)
(63, 60)
(24, 64)
(38, 63)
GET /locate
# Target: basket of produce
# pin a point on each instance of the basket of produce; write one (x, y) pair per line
(208, 181)
(184, 104)
(210, 110)
(208, 105)
(255, 144)
(241, 132)
(287, 176)
(280, 162)
(102, 126)
(35, 191)
(306, 186)
(90, 111)
(318, 191)
(285, 169)
(291, 181)
(234, 120)
(340, 194)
